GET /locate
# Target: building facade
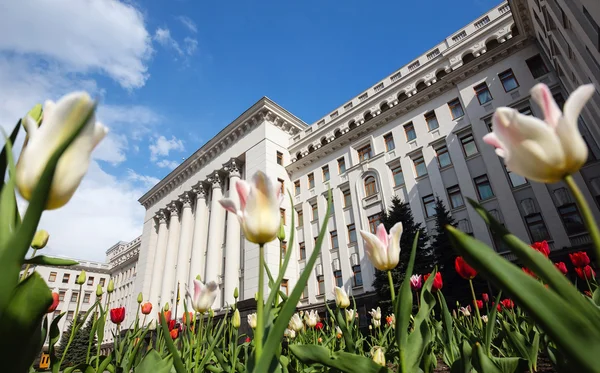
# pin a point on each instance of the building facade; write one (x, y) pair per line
(416, 134)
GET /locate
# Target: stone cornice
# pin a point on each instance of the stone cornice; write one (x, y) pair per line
(265, 108)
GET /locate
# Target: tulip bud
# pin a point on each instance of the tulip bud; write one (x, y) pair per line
(99, 291)
(281, 233)
(40, 240)
(198, 278)
(378, 355)
(140, 298)
(111, 286)
(81, 278)
(211, 312)
(236, 320)
(35, 113)
(256, 297)
(236, 293)
(166, 307)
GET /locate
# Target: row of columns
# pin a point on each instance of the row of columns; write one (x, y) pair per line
(189, 242)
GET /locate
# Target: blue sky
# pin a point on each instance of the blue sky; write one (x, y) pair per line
(171, 74)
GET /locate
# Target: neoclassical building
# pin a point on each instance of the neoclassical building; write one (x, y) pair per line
(415, 134)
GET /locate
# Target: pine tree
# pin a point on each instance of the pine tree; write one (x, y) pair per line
(400, 212)
(77, 352)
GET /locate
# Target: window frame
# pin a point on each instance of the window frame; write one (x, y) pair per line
(52, 277)
(66, 278)
(90, 281)
(540, 221)
(102, 281)
(478, 183)
(351, 236)
(61, 295)
(337, 275)
(431, 115)
(507, 75)
(427, 201)
(388, 139)
(347, 195)
(341, 164)
(325, 173)
(463, 143)
(279, 158)
(365, 153)
(422, 162)
(574, 212)
(530, 60)
(87, 297)
(396, 172)
(410, 128)
(300, 214)
(371, 186)
(297, 188)
(333, 237)
(284, 284)
(483, 89)
(355, 282)
(302, 250)
(444, 151)
(281, 186)
(455, 103)
(282, 215)
(314, 212)
(74, 296)
(374, 221)
(320, 285)
(311, 180)
(453, 191)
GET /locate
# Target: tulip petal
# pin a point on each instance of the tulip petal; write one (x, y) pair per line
(492, 139)
(229, 205)
(198, 288)
(576, 101)
(393, 247)
(243, 188)
(543, 97)
(375, 250)
(382, 234)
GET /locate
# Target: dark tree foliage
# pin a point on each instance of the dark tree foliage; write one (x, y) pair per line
(78, 349)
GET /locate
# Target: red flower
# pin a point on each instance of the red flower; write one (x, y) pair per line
(248, 340)
(508, 304)
(479, 304)
(319, 325)
(561, 267)
(55, 301)
(588, 293)
(529, 272)
(146, 308)
(585, 272)
(174, 333)
(437, 281)
(542, 247)
(171, 325)
(463, 269)
(579, 259)
(486, 297)
(187, 316)
(167, 315)
(117, 315)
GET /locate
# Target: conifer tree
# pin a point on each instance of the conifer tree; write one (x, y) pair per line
(77, 352)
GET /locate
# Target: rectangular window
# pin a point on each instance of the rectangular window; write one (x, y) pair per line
(321, 284)
(365, 153)
(66, 278)
(537, 228)
(70, 315)
(468, 145)
(52, 277)
(61, 295)
(456, 199)
(311, 180)
(389, 142)
(280, 158)
(339, 281)
(281, 186)
(432, 122)
(409, 130)
(90, 281)
(297, 187)
(334, 240)
(74, 296)
(420, 167)
(515, 180)
(398, 176)
(284, 287)
(357, 275)
(331, 208)
(443, 156)
(325, 170)
(283, 249)
(282, 215)
(347, 198)
(374, 221)
(456, 108)
(537, 66)
(341, 165)
(86, 298)
(315, 212)
(102, 281)
(429, 203)
(300, 218)
(302, 250)
(571, 219)
(483, 93)
(351, 233)
(56, 313)
(484, 189)
(509, 82)
(305, 292)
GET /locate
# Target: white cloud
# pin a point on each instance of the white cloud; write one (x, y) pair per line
(135, 120)
(106, 36)
(145, 180)
(191, 45)
(112, 149)
(165, 163)
(162, 146)
(187, 22)
(163, 37)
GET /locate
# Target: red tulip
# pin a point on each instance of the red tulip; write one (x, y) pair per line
(542, 247)
(508, 304)
(463, 269)
(437, 281)
(486, 297)
(561, 267)
(529, 272)
(146, 308)
(248, 340)
(319, 326)
(479, 304)
(171, 325)
(167, 315)
(55, 301)
(186, 316)
(579, 259)
(174, 333)
(585, 273)
(117, 315)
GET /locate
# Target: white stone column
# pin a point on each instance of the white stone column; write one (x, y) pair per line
(159, 257)
(200, 229)
(185, 246)
(168, 284)
(215, 238)
(232, 245)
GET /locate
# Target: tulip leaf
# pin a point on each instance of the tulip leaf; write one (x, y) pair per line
(83, 367)
(489, 328)
(9, 219)
(53, 336)
(403, 308)
(5, 151)
(179, 367)
(153, 363)
(419, 340)
(343, 361)
(48, 260)
(463, 363)
(346, 333)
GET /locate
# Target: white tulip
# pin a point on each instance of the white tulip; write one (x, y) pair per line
(338, 332)
(60, 121)
(296, 323)
(290, 333)
(376, 323)
(252, 320)
(349, 315)
(204, 296)
(311, 318)
(378, 355)
(382, 249)
(375, 313)
(341, 298)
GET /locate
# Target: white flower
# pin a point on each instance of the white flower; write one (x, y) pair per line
(204, 296)
(382, 249)
(259, 213)
(349, 315)
(378, 355)
(376, 323)
(338, 332)
(542, 150)
(252, 320)
(465, 311)
(484, 318)
(290, 333)
(311, 318)
(296, 323)
(375, 313)
(60, 121)
(341, 298)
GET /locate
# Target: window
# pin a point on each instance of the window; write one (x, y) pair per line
(595, 26)
(66, 277)
(468, 145)
(56, 313)
(537, 228)
(334, 240)
(443, 156)
(302, 249)
(370, 186)
(74, 296)
(280, 158)
(300, 218)
(102, 281)
(325, 170)
(357, 278)
(70, 315)
(571, 219)
(284, 286)
(509, 82)
(432, 122)
(341, 165)
(515, 180)
(283, 249)
(315, 212)
(90, 281)
(374, 221)
(351, 233)
(61, 295)
(321, 284)
(339, 281)
(484, 189)
(456, 108)
(420, 168)
(364, 153)
(429, 203)
(398, 176)
(282, 215)
(409, 130)
(297, 187)
(311, 180)
(52, 277)
(86, 298)
(456, 199)
(537, 66)
(483, 93)
(347, 198)
(305, 292)
(389, 142)
(281, 186)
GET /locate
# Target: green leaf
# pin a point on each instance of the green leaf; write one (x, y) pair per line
(48, 260)
(346, 333)
(489, 328)
(344, 361)
(420, 338)
(8, 203)
(153, 363)
(53, 337)
(4, 153)
(179, 367)
(463, 364)
(84, 368)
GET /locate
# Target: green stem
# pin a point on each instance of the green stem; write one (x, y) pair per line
(588, 218)
(260, 321)
(391, 280)
(24, 275)
(475, 305)
(198, 340)
(99, 342)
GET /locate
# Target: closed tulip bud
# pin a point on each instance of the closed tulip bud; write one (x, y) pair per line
(236, 293)
(166, 307)
(281, 233)
(236, 320)
(349, 315)
(40, 240)
(341, 298)
(378, 355)
(35, 113)
(99, 291)
(111, 286)
(146, 308)
(252, 320)
(211, 313)
(140, 298)
(81, 278)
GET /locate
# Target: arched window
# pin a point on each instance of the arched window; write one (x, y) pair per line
(402, 96)
(370, 186)
(337, 134)
(384, 106)
(468, 58)
(323, 141)
(352, 125)
(367, 116)
(421, 86)
(299, 155)
(311, 148)
(440, 74)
